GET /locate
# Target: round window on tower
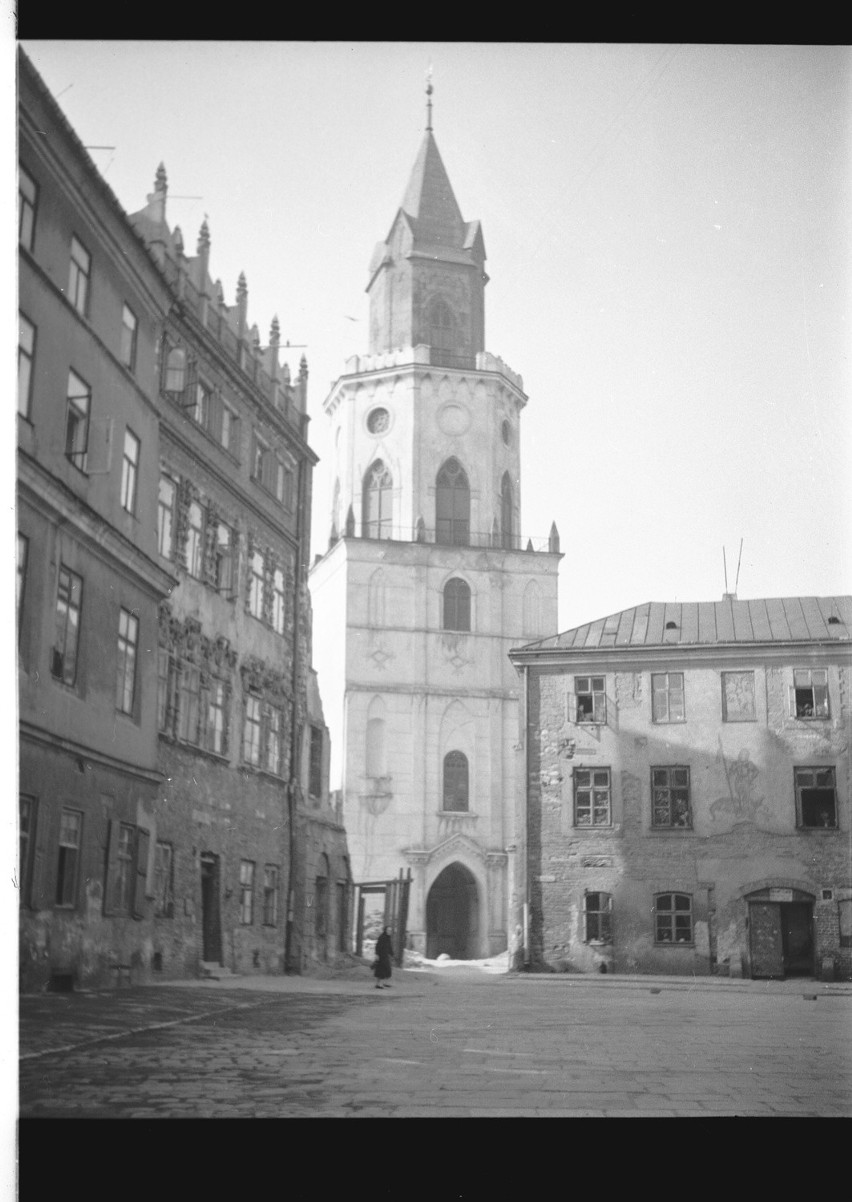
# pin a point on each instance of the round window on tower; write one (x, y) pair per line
(507, 433)
(377, 421)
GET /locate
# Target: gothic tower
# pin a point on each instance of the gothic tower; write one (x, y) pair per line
(428, 581)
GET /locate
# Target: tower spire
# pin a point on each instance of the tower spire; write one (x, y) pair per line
(429, 90)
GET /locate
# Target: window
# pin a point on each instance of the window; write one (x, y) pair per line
(673, 918)
(164, 881)
(26, 845)
(27, 202)
(456, 605)
(442, 326)
(597, 910)
(591, 698)
(270, 895)
(262, 463)
(315, 768)
(738, 703)
(279, 602)
(195, 541)
(166, 677)
(810, 693)
(189, 704)
(127, 350)
(124, 870)
(228, 429)
(816, 797)
(262, 735)
(128, 640)
(667, 697)
(77, 421)
(78, 278)
(506, 512)
(67, 869)
(26, 355)
(670, 797)
(175, 379)
(129, 471)
(377, 507)
(452, 505)
(69, 599)
(224, 558)
(166, 517)
(456, 782)
(202, 411)
(256, 575)
(844, 909)
(592, 797)
(23, 553)
(252, 732)
(246, 892)
(216, 732)
(284, 484)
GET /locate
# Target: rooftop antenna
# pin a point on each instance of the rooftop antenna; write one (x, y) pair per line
(725, 565)
(736, 582)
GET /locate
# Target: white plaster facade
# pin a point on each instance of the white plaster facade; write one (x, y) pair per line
(403, 690)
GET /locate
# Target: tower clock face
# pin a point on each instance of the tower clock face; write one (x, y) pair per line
(377, 421)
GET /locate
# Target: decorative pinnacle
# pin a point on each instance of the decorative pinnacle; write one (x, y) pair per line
(275, 332)
(160, 183)
(178, 237)
(429, 90)
(242, 287)
(203, 237)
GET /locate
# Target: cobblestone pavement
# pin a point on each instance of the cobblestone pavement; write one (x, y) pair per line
(451, 1044)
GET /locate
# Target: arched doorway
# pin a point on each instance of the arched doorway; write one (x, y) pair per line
(452, 915)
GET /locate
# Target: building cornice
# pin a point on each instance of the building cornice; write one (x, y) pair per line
(46, 738)
(610, 658)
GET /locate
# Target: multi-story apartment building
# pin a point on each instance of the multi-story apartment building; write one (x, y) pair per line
(687, 806)
(167, 807)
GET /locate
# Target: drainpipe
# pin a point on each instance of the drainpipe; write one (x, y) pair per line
(295, 726)
(526, 820)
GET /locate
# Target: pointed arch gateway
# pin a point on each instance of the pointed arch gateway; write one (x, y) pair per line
(452, 915)
(452, 505)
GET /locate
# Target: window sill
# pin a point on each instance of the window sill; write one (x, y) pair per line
(671, 830)
(256, 770)
(682, 944)
(818, 830)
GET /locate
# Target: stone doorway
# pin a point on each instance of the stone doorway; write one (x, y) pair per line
(781, 934)
(452, 915)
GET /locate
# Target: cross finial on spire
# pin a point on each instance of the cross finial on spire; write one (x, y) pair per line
(429, 90)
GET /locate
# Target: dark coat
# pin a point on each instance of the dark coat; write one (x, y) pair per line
(384, 951)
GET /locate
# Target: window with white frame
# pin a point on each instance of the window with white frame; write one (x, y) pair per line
(69, 602)
(224, 557)
(27, 204)
(590, 695)
(252, 729)
(125, 869)
(26, 358)
(816, 797)
(68, 860)
(673, 918)
(129, 471)
(166, 499)
(262, 734)
(810, 693)
(667, 697)
(189, 704)
(592, 797)
(79, 276)
(270, 895)
(279, 602)
(257, 572)
(377, 502)
(164, 882)
(216, 733)
(246, 892)
(79, 400)
(597, 913)
(274, 722)
(175, 371)
(670, 803)
(128, 642)
(129, 328)
(195, 541)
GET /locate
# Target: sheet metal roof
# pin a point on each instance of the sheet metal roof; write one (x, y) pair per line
(662, 623)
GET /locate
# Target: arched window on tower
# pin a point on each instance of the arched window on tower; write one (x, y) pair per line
(441, 326)
(452, 506)
(456, 605)
(377, 514)
(456, 782)
(507, 512)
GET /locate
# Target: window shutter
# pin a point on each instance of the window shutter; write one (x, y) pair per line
(143, 844)
(110, 867)
(572, 707)
(792, 706)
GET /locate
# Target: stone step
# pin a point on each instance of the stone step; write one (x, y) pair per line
(212, 971)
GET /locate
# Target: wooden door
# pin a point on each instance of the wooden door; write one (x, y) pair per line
(765, 940)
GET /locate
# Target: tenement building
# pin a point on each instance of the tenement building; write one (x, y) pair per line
(169, 719)
(427, 581)
(687, 799)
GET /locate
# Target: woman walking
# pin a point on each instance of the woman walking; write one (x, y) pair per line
(382, 964)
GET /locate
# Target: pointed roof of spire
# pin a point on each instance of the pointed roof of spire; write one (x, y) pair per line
(430, 200)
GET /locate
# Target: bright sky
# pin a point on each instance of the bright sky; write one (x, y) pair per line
(668, 240)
